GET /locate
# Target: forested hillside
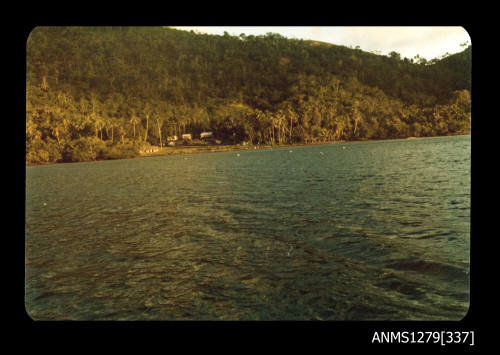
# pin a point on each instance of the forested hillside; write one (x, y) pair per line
(97, 93)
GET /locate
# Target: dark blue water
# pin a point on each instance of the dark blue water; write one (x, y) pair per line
(360, 231)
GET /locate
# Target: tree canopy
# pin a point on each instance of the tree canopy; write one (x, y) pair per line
(100, 92)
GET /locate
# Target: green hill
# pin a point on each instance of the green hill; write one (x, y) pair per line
(94, 90)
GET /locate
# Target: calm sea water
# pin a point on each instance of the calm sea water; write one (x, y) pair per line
(374, 231)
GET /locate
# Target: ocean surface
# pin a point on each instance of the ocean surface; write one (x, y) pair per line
(358, 231)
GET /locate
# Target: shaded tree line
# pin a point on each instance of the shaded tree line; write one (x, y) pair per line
(104, 93)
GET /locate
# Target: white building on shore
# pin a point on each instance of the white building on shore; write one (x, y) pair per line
(206, 135)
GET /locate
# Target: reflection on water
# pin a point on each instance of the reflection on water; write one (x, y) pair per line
(375, 231)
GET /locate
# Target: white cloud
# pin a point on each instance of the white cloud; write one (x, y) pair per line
(428, 42)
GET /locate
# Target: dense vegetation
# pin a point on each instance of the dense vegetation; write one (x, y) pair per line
(102, 93)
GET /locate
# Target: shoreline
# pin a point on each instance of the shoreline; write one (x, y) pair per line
(199, 149)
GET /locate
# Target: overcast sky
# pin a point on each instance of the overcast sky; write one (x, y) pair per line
(428, 42)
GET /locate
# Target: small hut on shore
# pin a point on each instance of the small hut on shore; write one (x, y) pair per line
(149, 149)
(206, 135)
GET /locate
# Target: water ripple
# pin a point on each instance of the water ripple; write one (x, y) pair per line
(379, 231)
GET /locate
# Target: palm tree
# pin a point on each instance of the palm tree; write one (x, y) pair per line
(291, 116)
(159, 124)
(148, 111)
(98, 124)
(134, 120)
(95, 113)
